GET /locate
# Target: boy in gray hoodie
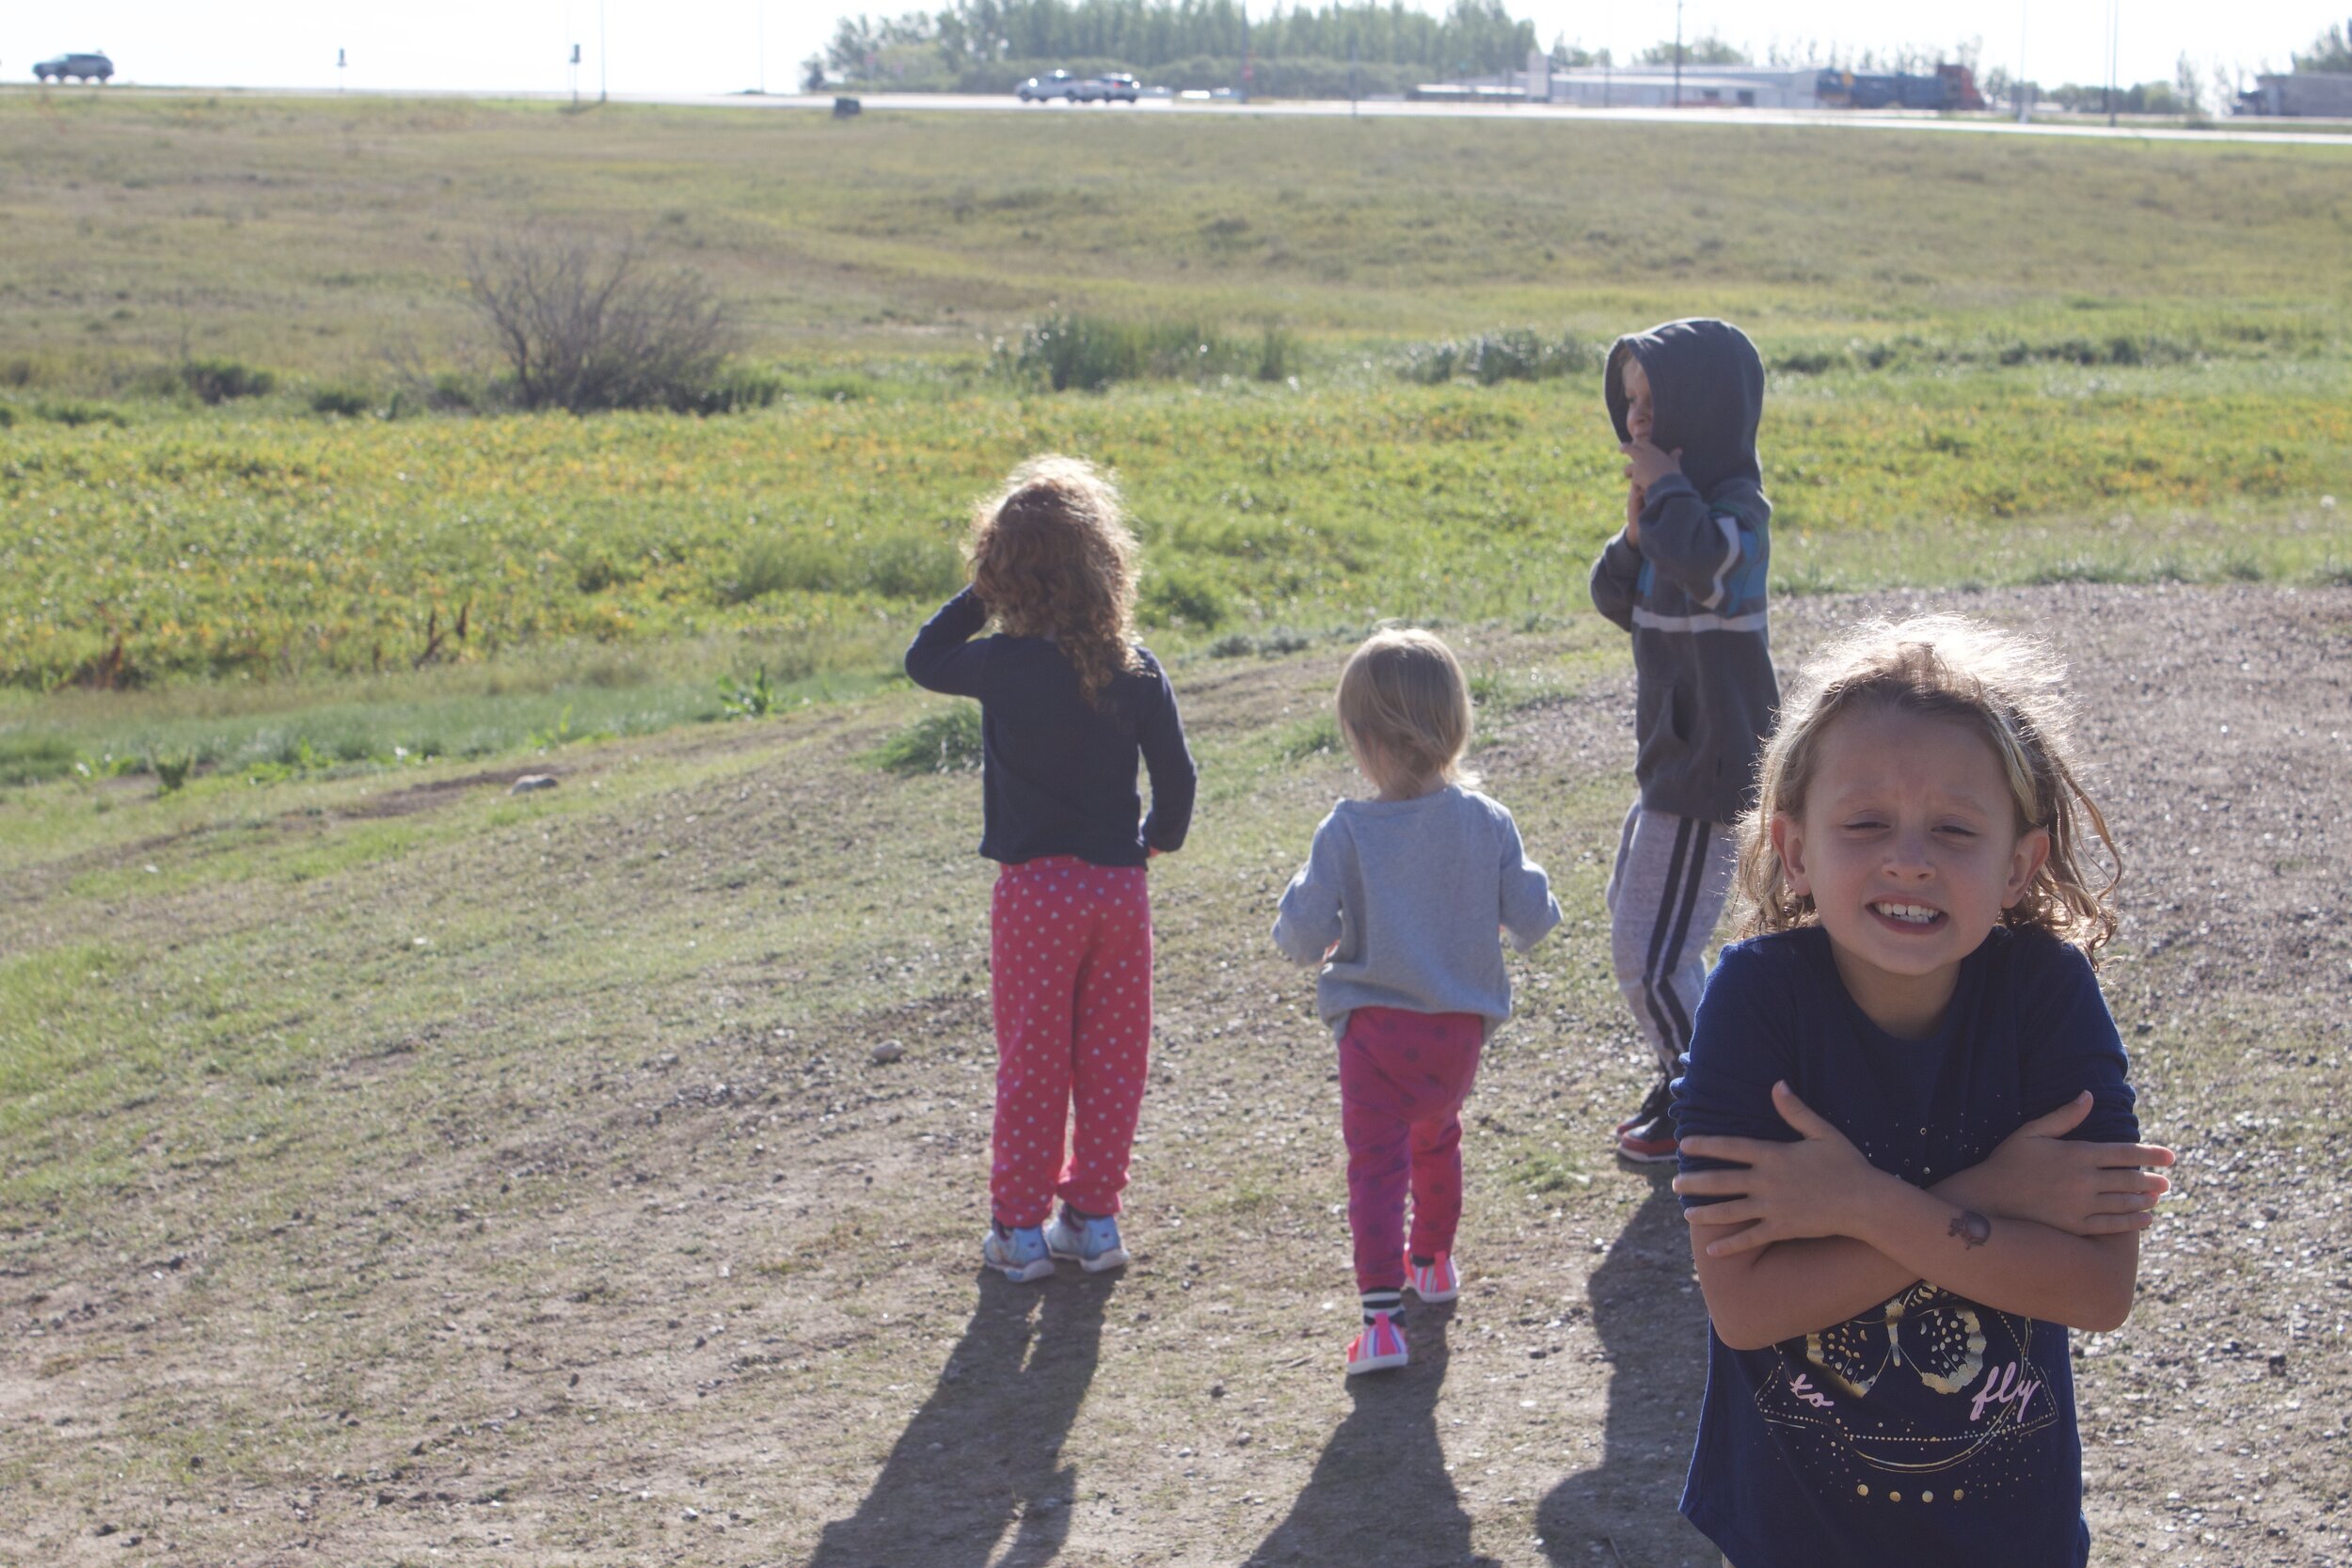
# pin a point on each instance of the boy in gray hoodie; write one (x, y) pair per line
(1685, 577)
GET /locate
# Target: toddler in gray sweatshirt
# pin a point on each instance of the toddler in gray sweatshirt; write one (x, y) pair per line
(1400, 903)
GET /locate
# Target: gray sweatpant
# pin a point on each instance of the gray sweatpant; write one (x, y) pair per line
(1666, 893)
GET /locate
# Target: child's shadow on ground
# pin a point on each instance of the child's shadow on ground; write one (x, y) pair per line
(1655, 1333)
(985, 1450)
(1380, 1491)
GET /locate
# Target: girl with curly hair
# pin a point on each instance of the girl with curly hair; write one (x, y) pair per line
(1910, 1154)
(1070, 702)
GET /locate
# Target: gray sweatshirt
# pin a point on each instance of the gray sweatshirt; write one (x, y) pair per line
(1411, 892)
(1692, 592)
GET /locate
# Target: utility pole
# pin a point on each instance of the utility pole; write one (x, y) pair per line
(339, 62)
(1678, 53)
(575, 76)
(761, 5)
(604, 51)
(2023, 93)
(2115, 22)
(1351, 78)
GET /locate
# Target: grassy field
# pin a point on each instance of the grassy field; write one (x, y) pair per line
(1995, 362)
(273, 547)
(311, 235)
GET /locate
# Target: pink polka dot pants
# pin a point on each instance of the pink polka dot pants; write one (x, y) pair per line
(1403, 1077)
(1069, 960)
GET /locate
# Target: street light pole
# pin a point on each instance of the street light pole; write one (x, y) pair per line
(1678, 53)
(2025, 103)
(2115, 22)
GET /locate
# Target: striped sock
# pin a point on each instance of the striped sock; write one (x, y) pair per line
(1390, 1301)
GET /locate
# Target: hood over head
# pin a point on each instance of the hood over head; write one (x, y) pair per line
(1707, 394)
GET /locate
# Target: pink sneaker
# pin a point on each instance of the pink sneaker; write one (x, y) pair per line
(1381, 1346)
(1439, 1281)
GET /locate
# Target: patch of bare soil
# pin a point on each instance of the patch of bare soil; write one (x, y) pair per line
(742, 1321)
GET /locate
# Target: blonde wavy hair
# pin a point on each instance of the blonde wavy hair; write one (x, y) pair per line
(1051, 556)
(2005, 688)
(1405, 710)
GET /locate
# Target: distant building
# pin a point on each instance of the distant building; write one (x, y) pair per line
(2306, 92)
(1704, 86)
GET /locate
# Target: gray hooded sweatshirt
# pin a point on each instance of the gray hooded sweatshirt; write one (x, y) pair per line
(1693, 593)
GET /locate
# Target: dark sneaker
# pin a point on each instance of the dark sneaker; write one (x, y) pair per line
(1660, 1101)
(1650, 1141)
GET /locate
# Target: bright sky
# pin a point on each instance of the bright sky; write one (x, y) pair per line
(696, 46)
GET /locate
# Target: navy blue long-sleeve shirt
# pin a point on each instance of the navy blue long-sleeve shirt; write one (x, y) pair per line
(1059, 775)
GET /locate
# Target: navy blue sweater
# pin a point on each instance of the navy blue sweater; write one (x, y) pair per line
(1059, 777)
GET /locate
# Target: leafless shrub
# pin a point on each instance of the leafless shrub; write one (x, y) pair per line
(585, 325)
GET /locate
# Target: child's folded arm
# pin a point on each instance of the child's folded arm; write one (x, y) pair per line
(1687, 541)
(1819, 1186)
(1307, 922)
(2010, 1265)
(942, 658)
(1789, 1288)
(1779, 1291)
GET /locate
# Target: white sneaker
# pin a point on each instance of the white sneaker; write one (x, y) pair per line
(1092, 1244)
(1018, 1253)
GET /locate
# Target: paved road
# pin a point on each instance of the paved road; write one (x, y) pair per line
(1840, 119)
(2323, 133)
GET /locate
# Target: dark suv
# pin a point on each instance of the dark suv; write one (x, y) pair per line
(94, 66)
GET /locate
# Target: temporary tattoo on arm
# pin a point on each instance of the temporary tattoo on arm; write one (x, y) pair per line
(1971, 1228)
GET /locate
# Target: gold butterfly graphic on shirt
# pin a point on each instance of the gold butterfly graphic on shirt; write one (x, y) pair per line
(1932, 1333)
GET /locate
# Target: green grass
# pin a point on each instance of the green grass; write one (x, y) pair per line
(945, 741)
(269, 549)
(1994, 360)
(337, 726)
(307, 237)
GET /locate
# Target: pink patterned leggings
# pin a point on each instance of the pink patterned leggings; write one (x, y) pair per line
(1069, 965)
(1403, 1077)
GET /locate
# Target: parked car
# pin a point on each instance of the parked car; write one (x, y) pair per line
(1054, 83)
(94, 66)
(1104, 88)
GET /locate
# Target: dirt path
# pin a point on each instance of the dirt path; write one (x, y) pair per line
(638, 1264)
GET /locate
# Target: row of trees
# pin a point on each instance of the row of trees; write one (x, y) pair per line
(988, 45)
(2329, 52)
(974, 35)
